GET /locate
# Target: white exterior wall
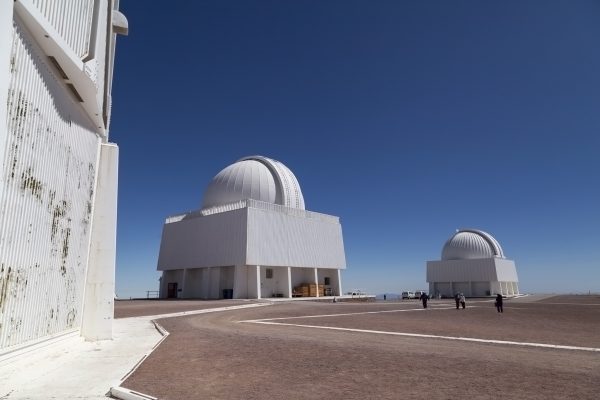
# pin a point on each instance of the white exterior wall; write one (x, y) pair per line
(473, 277)
(480, 269)
(506, 270)
(279, 239)
(204, 241)
(233, 245)
(334, 283)
(302, 275)
(251, 236)
(276, 285)
(49, 149)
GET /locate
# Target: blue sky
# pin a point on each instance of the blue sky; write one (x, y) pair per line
(406, 119)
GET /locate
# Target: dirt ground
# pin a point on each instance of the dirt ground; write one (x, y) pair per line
(216, 356)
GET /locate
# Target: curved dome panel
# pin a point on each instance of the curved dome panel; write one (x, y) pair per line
(258, 178)
(471, 243)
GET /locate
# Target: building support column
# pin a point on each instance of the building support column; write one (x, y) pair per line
(317, 281)
(240, 282)
(339, 277)
(99, 296)
(184, 294)
(289, 282)
(258, 284)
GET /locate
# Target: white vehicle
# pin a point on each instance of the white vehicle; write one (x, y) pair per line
(357, 292)
(408, 295)
(418, 293)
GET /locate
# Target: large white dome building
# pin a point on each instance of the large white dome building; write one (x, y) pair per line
(472, 263)
(252, 238)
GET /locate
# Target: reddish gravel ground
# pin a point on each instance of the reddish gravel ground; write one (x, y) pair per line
(215, 356)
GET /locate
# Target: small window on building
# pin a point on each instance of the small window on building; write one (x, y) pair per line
(269, 273)
(327, 280)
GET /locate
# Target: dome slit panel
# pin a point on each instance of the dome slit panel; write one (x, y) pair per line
(237, 185)
(255, 183)
(247, 182)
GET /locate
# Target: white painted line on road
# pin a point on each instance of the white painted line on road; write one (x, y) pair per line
(567, 304)
(194, 312)
(418, 335)
(346, 314)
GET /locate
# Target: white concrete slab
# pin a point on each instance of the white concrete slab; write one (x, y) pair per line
(70, 368)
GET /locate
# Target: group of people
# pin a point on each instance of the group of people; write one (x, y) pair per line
(460, 300)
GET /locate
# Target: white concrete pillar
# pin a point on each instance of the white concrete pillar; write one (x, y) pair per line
(98, 309)
(339, 277)
(258, 283)
(517, 286)
(317, 280)
(184, 289)
(289, 282)
(240, 282)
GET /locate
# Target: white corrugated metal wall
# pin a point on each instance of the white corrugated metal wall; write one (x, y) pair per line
(49, 147)
(72, 20)
(278, 239)
(48, 175)
(204, 241)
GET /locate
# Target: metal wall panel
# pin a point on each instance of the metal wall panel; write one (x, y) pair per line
(472, 270)
(204, 241)
(507, 271)
(72, 19)
(482, 269)
(255, 234)
(48, 175)
(279, 239)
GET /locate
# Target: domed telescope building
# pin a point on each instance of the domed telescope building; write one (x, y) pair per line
(252, 238)
(472, 263)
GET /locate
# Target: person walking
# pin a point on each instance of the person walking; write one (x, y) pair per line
(424, 299)
(457, 300)
(499, 303)
(462, 300)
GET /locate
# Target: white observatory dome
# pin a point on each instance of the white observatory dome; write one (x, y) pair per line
(471, 243)
(256, 177)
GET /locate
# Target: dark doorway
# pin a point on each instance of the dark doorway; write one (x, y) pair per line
(172, 290)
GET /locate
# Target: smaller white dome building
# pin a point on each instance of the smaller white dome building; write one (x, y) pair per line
(472, 263)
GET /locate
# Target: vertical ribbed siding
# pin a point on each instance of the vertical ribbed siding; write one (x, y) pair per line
(48, 175)
(276, 238)
(73, 20)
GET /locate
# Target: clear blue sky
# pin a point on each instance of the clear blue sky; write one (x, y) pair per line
(406, 119)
